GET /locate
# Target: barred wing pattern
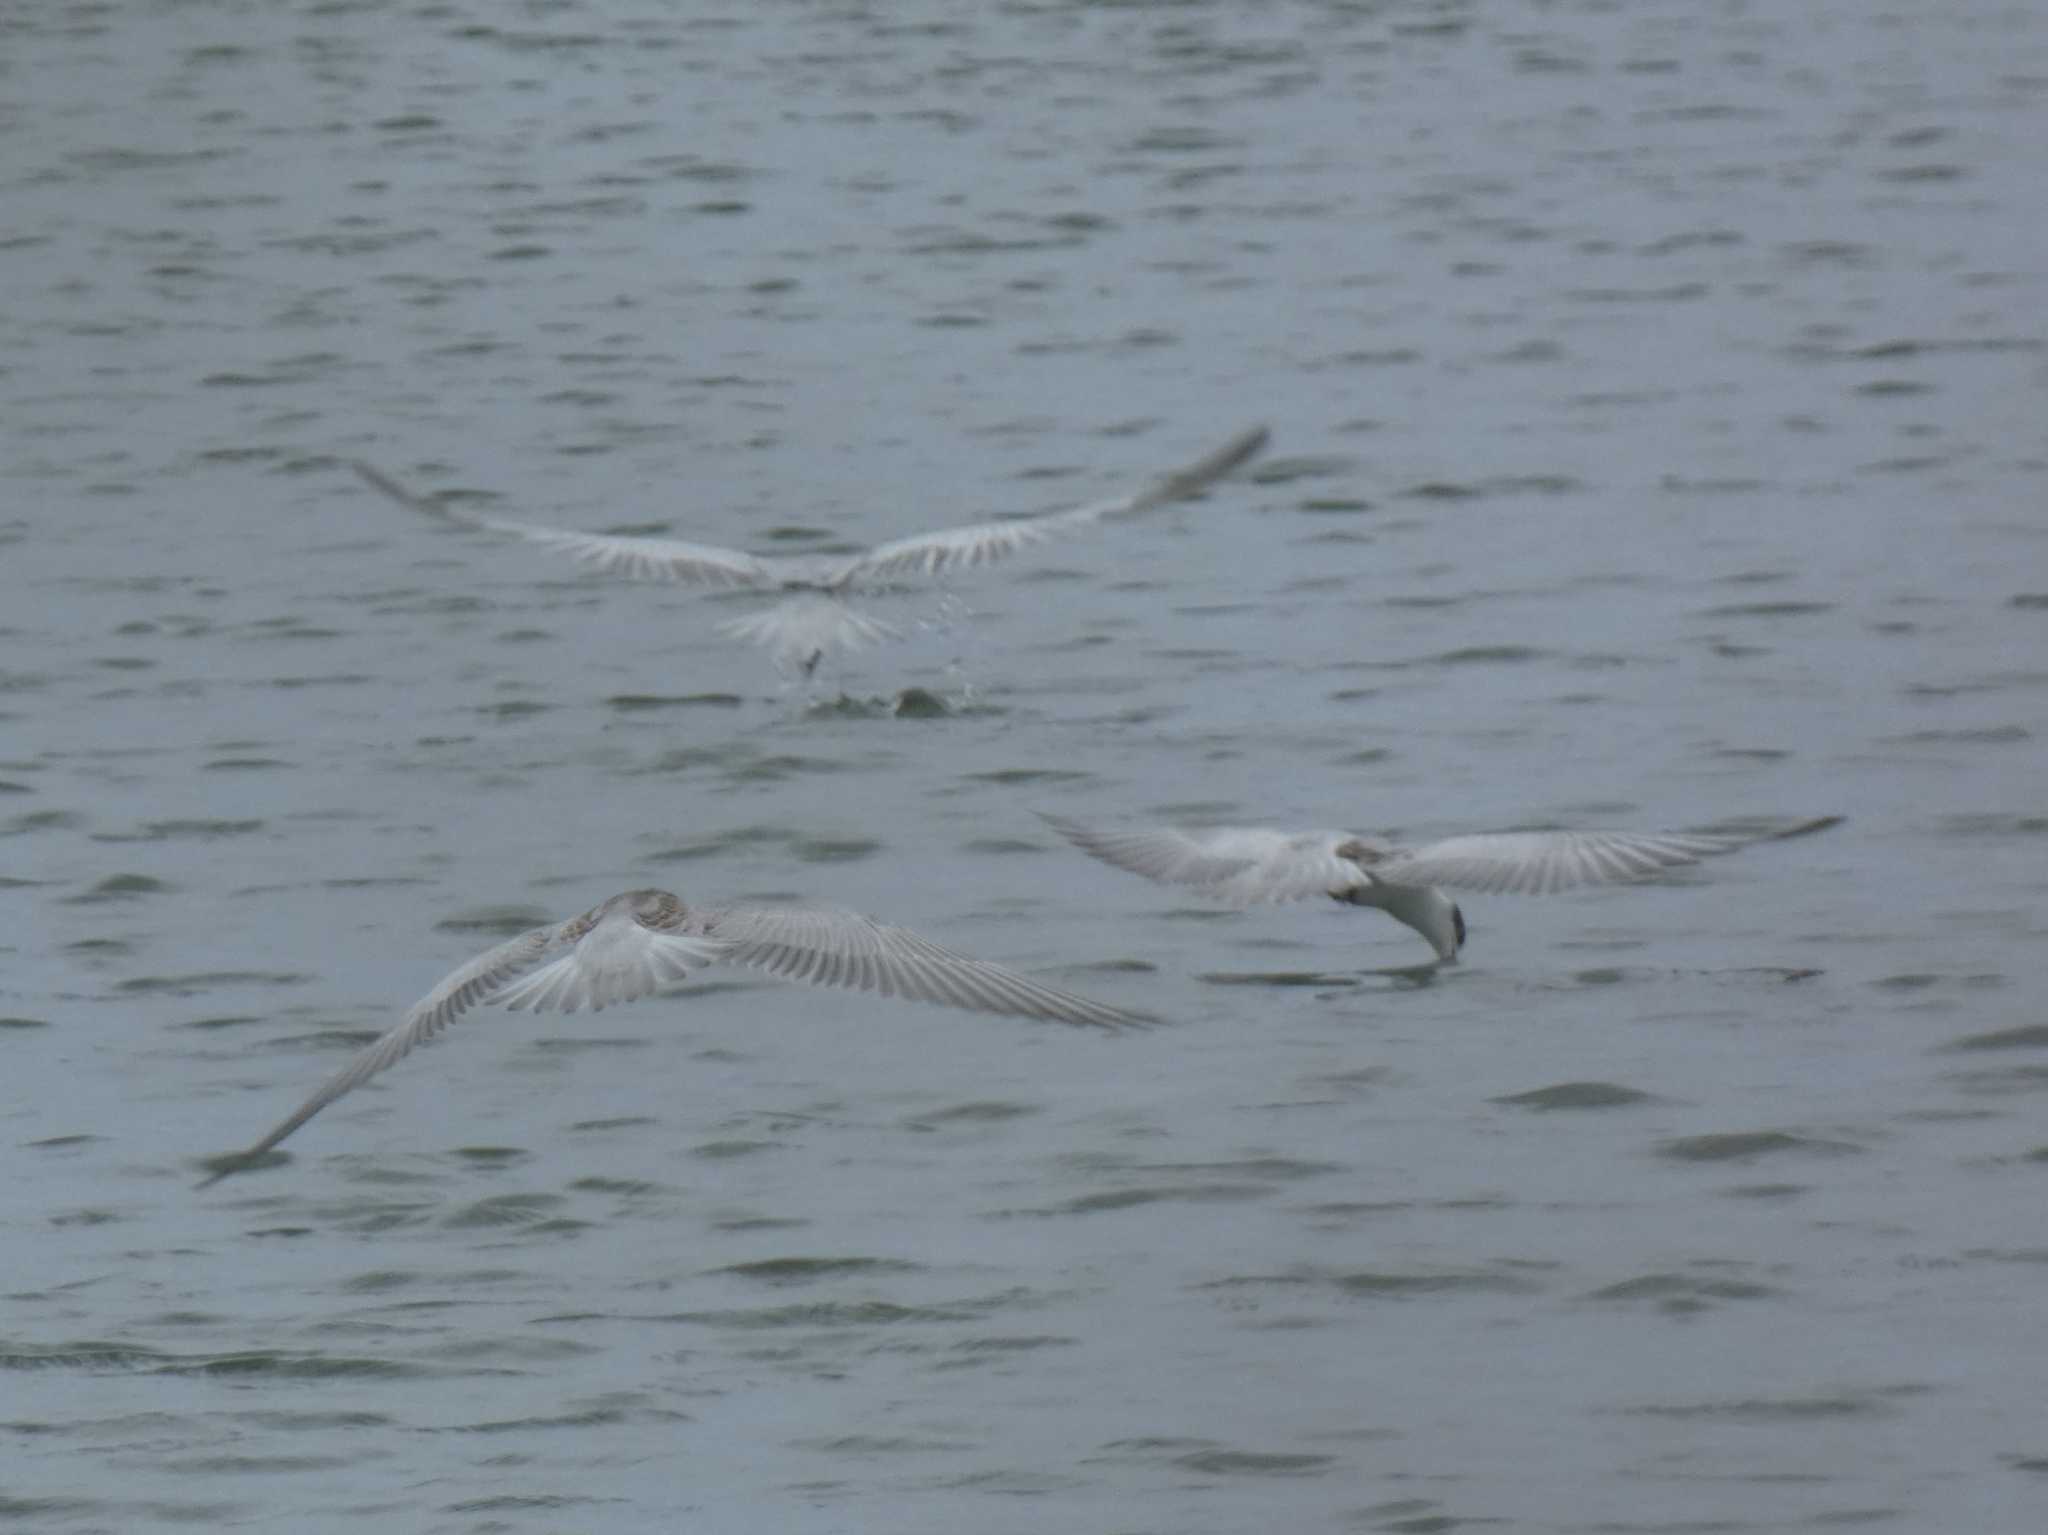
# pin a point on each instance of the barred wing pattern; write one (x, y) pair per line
(648, 559)
(1540, 862)
(620, 960)
(983, 543)
(656, 559)
(845, 949)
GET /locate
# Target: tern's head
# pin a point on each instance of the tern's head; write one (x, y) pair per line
(654, 908)
(1423, 907)
(1444, 928)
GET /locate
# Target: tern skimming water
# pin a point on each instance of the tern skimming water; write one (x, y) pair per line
(1246, 865)
(644, 941)
(815, 617)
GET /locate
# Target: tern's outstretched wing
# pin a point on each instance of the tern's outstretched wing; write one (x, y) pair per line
(1245, 865)
(983, 543)
(460, 990)
(1538, 862)
(845, 949)
(1248, 864)
(650, 559)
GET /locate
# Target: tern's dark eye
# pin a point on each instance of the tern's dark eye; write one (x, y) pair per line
(1458, 925)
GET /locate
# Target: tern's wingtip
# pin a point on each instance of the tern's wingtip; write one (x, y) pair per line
(1808, 828)
(227, 1165)
(1241, 449)
(1074, 831)
(384, 485)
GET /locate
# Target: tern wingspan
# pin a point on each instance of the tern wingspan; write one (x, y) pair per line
(643, 941)
(804, 631)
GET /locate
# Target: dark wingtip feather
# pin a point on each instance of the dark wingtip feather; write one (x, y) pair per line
(384, 485)
(226, 1166)
(1805, 828)
(1245, 446)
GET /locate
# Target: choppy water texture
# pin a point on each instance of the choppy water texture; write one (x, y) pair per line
(1658, 398)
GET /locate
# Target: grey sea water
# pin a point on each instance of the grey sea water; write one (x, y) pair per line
(1657, 394)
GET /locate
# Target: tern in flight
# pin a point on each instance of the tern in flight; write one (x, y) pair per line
(815, 616)
(1248, 865)
(645, 941)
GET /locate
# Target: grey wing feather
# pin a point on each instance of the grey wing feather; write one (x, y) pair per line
(653, 559)
(474, 983)
(1202, 473)
(1243, 864)
(983, 543)
(1537, 863)
(844, 949)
